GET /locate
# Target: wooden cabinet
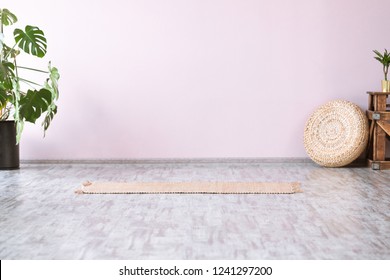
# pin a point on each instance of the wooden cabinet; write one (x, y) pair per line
(379, 118)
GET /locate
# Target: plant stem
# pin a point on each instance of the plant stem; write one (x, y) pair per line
(32, 69)
(16, 69)
(29, 82)
(1, 26)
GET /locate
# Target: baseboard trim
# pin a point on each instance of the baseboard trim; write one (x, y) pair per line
(168, 161)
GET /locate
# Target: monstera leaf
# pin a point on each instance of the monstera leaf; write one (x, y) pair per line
(6, 74)
(7, 18)
(32, 40)
(49, 117)
(10, 52)
(34, 103)
(4, 97)
(52, 82)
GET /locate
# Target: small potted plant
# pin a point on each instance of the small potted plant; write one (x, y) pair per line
(384, 59)
(21, 99)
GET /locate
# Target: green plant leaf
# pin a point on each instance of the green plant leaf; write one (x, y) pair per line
(32, 40)
(7, 18)
(378, 53)
(4, 97)
(52, 82)
(34, 103)
(10, 52)
(15, 102)
(49, 117)
(6, 74)
(379, 59)
(19, 130)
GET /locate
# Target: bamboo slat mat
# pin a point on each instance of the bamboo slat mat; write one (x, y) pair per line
(189, 188)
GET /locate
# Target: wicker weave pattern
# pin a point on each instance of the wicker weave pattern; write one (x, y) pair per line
(336, 134)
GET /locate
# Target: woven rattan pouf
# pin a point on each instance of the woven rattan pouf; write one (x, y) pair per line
(336, 134)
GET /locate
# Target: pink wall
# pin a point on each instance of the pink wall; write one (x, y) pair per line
(200, 78)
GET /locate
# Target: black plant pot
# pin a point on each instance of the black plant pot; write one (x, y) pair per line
(9, 151)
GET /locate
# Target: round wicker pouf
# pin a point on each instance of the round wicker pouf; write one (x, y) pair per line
(336, 134)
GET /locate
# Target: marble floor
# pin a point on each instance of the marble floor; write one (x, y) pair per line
(343, 213)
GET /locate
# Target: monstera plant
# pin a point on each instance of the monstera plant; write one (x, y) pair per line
(21, 98)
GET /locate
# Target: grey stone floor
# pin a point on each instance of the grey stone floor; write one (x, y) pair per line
(342, 214)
